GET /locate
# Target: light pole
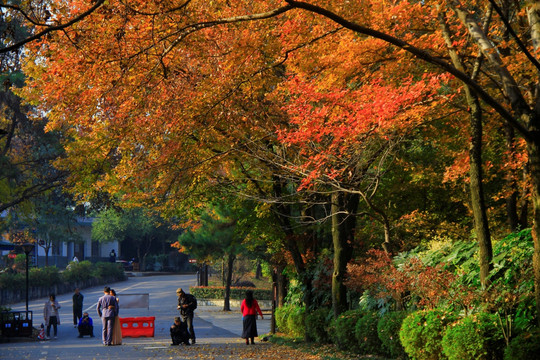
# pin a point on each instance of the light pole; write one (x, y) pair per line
(27, 248)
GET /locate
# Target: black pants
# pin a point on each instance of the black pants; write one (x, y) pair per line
(77, 315)
(86, 330)
(54, 322)
(188, 319)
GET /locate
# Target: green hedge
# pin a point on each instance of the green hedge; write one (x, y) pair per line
(343, 330)
(422, 332)
(388, 331)
(476, 336)
(317, 323)
(50, 275)
(237, 293)
(525, 346)
(366, 335)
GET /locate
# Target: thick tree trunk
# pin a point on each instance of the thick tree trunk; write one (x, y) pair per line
(227, 299)
(343, 223)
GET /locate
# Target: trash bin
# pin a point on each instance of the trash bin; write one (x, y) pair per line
(16, 323)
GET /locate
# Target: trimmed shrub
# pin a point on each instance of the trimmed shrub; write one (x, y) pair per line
(238, 293)
(388, 331)
(76, 272)
(317, 323)
(295, 321)
(49, 275)
(524, 346)
(107, 270)
(343, 330)
(282, 314)
(366, 334)
(422, 331)
(477, 336)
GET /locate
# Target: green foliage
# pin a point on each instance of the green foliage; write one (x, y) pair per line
(282, 315)
(238, 293)
(317, 323)
(107, 270)
(78, 271)
(9, 280)
(295, 321)
(388, 331)
(477, 336)
(343, 330)
(48, 276)
(525, 346)
(511, 291)
(290, 320)
(422, 331)
(366, 334)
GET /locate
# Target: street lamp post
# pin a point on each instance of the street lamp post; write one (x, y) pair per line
(27, 248)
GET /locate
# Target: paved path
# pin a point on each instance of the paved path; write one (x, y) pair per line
(217, 331)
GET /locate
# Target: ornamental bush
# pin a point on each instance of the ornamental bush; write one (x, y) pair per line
(238, 293)
(317, 323)
(524, 346)
(366, 334)
(76, 272)
(388, 331)
(422, 332)
(344, 328)
(282, 314)
(477, 336)
(295, 321)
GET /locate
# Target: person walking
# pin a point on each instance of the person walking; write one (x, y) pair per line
(187, 303)
(250, 308)
(77, 307)
(51, 315)
(112, 256)
(107, 310)
(117, 328)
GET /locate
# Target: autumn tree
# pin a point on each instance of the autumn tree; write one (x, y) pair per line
(176, 77)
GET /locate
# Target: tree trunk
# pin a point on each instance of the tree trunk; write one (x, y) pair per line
(511, 184)
(226, 301)
(343, 222)
(534, 167)
(477, 189)
(476, 186)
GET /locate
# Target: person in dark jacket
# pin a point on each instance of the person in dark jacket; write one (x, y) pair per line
(179, 332)
(77, 307)
(187, 303)
(86, 326)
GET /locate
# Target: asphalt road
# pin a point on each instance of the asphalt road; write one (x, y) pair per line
(213, 327)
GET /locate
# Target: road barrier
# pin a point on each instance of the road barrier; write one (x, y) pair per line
(137, 326)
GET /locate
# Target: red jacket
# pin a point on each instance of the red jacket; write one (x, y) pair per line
(253, 310)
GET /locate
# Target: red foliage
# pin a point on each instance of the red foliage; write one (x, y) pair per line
(430, 285)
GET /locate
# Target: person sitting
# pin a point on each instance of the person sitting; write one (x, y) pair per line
(86, 326)
(179, 333)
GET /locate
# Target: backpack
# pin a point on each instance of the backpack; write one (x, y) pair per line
(193, 301)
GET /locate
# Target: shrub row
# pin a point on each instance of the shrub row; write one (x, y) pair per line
(422, 335)
(238, 293)
(50, 277)
(358, 331)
